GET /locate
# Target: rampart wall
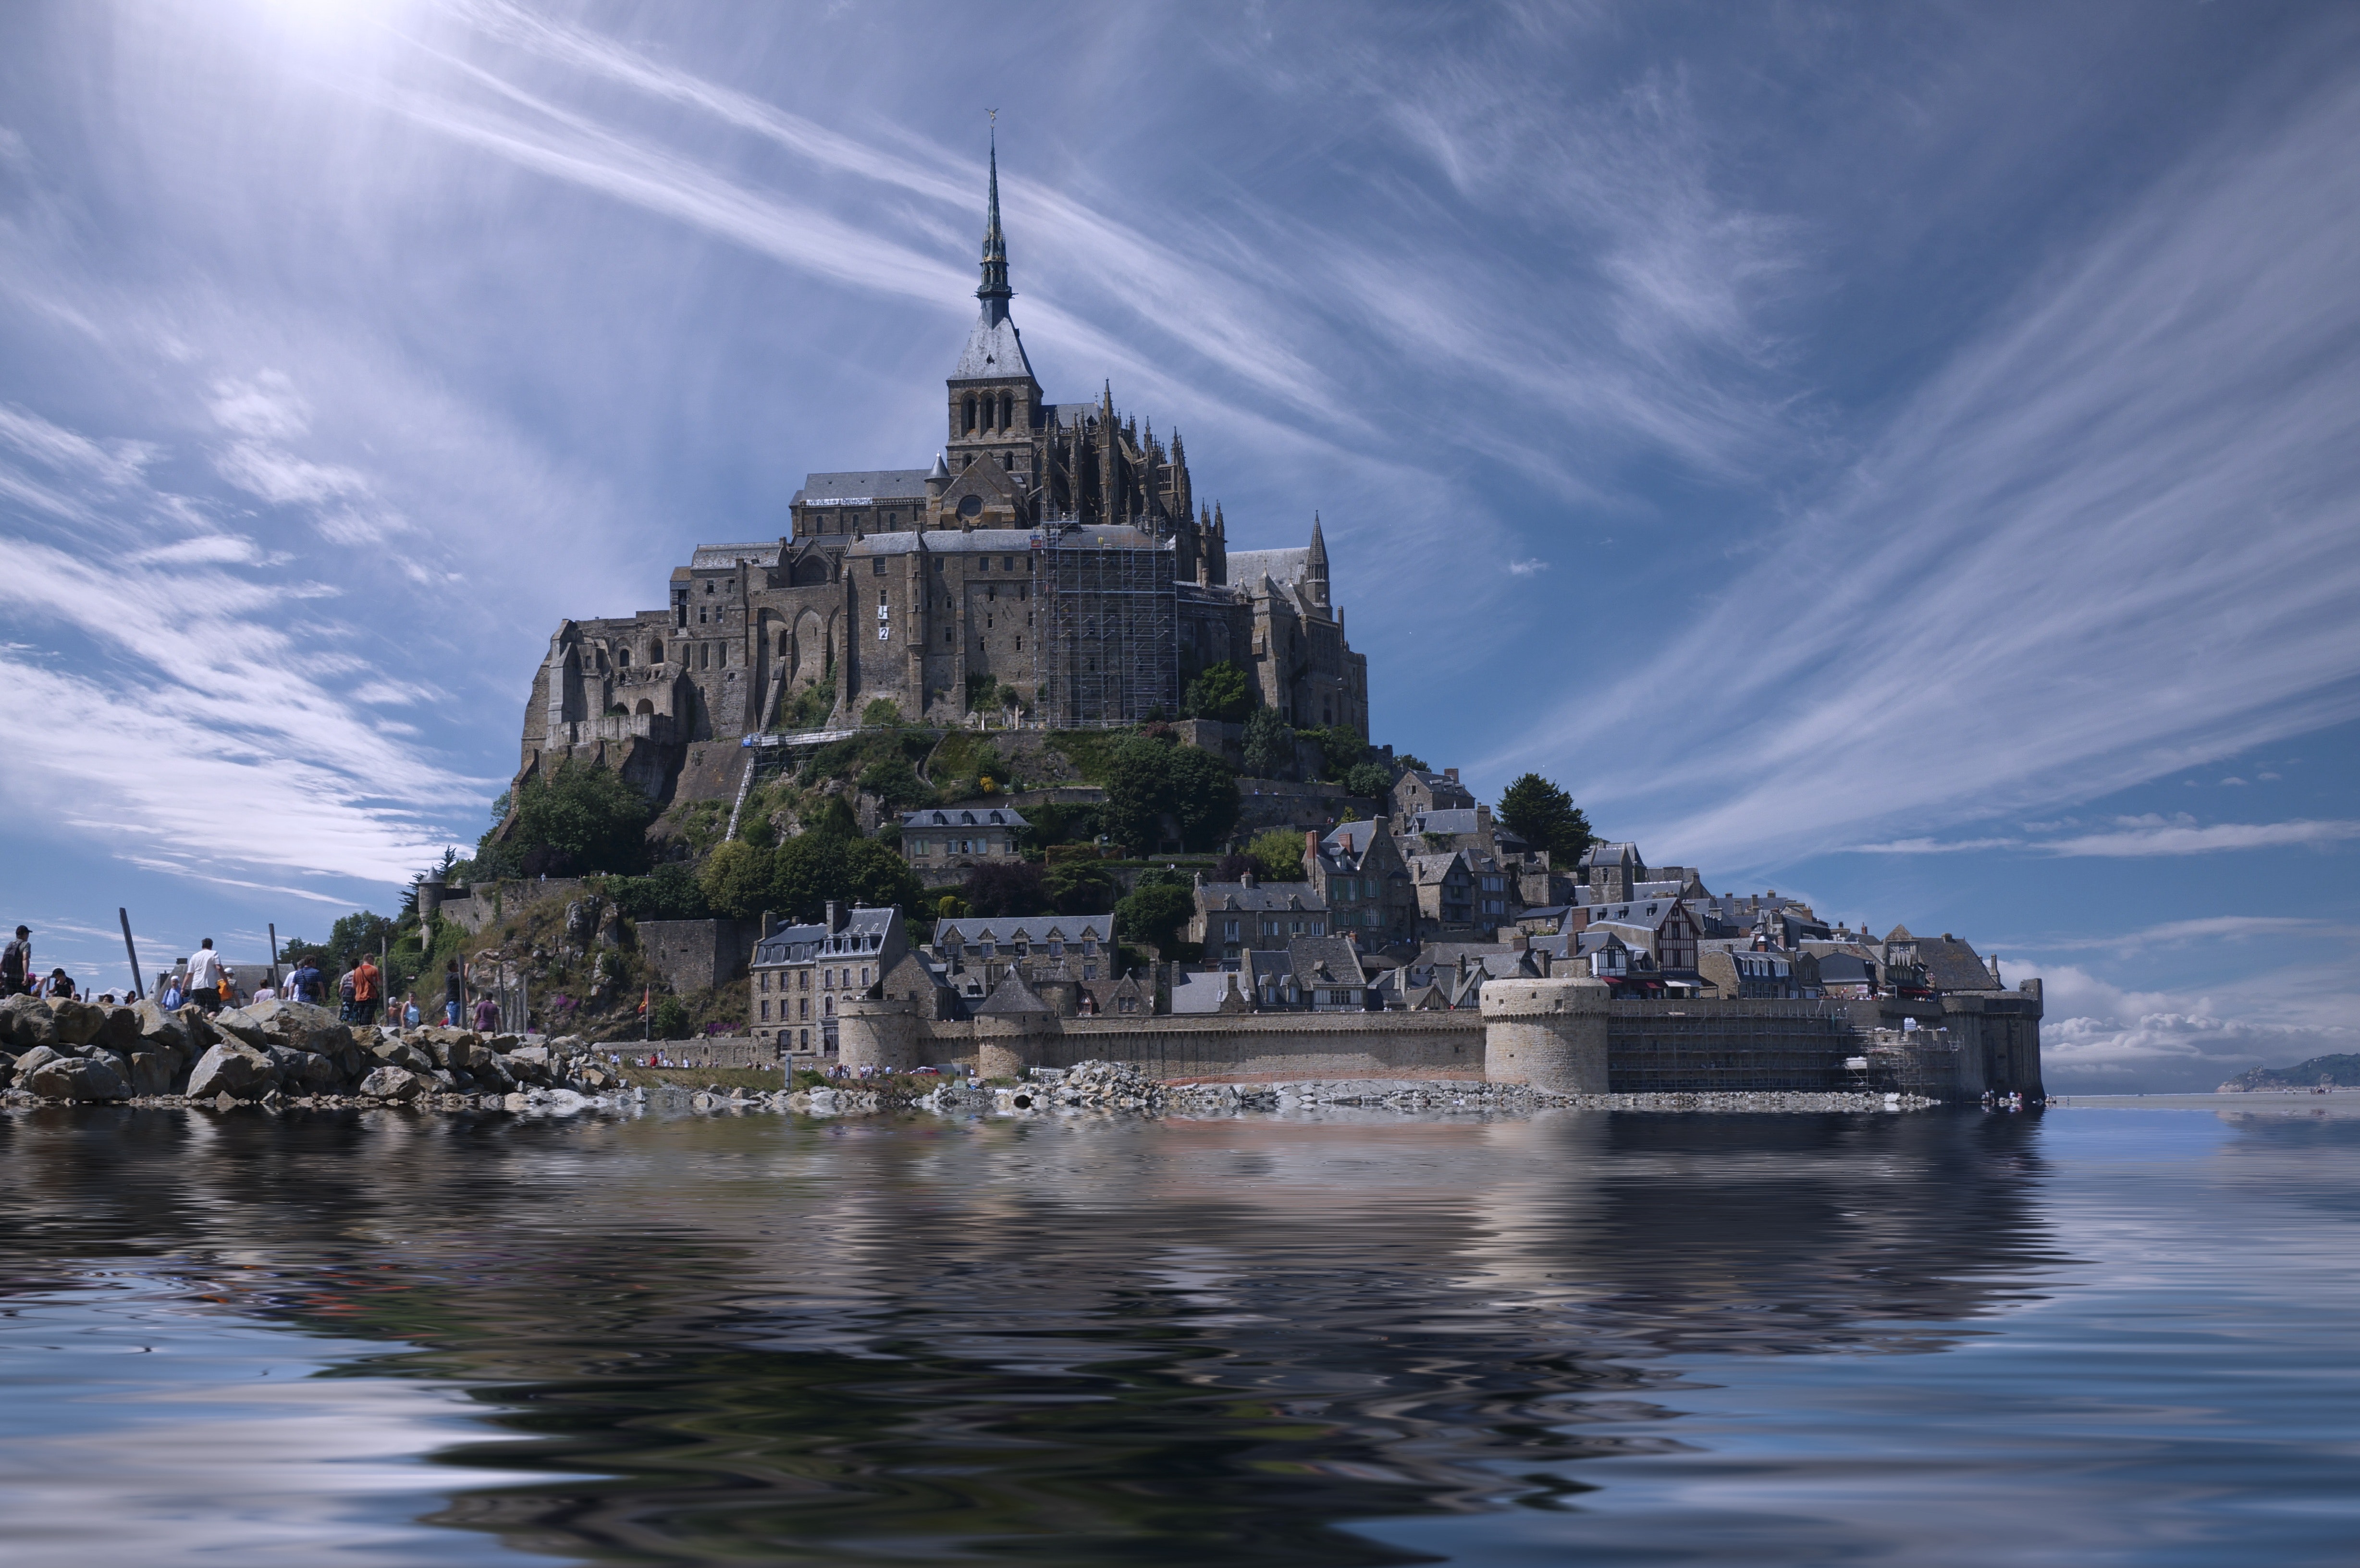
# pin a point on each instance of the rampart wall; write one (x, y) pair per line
(1564, 1035)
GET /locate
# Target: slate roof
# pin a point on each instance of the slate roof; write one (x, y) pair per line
(1454, 821)
(863, 485)
(1011, 996)
(712, 557)
(963, 817)
(1284, 568)
(994, 351)
(1605, 854)
(1278, 896)
(1648, 914)
(1032, 929)
(1952, 965)
(865, 931)
(1353, 838)
(1845, 969)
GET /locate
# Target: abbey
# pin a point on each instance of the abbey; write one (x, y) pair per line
(1053, 566)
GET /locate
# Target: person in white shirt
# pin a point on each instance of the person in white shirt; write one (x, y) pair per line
(205, 978)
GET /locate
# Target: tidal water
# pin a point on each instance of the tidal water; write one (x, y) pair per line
(2096, 1336)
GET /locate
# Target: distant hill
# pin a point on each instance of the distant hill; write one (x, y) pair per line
(2341, 1071)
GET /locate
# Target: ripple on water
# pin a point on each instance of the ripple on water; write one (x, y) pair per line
(2087, 1337)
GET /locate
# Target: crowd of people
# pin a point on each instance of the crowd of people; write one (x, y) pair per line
(206, 982)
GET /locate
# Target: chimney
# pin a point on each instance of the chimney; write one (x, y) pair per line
(1311, 845)
(1451, 774)
(1249, 879)
(1201, 880)
(833, 924)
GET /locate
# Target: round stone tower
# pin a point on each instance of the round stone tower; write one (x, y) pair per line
(1547, 1034)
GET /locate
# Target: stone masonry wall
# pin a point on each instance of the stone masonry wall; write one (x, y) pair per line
(697, 955)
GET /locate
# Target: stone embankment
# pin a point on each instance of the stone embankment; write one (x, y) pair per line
(279, 1052)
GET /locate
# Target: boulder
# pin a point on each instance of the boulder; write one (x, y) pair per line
(78, 1022)
(402, 1053)
(491, 1073)
(304, 1072)
(157, 1027)
(79, 1078)
(297, 1026)
(155, 1072)
(391, 1083)
(120, 1032)
(26, 1022)
(33, 1061)
(234, 1068)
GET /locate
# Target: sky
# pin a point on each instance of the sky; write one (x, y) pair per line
(1903, 457)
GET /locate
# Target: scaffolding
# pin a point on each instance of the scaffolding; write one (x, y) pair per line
(1731, 1046)
(1109, 651)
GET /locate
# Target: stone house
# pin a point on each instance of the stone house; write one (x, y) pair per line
(1357, 871)
(1749, 973)
(1945, 962)
(1447, 892)
(1321, 975)
(1664, 927)
(1232, 919)
(802, 975)
(977, 954)
(1416, 793)
(953, 838)
(1611, 871)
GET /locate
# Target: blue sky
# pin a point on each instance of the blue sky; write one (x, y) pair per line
(1903, 457)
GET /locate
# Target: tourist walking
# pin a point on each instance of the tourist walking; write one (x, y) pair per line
(410, 1016)
(455, 993)
(367, 989)
(344, 998)
(206, 977)
(488, 1015)
(16, 964)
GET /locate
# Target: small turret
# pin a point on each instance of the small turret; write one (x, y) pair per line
(1315, 567)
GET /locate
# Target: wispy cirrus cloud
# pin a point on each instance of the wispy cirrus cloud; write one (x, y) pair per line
(2112, 536)
(2150, 833)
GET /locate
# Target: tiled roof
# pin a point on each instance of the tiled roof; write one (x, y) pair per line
(1264, 895)
(964, 817)
(863, 485)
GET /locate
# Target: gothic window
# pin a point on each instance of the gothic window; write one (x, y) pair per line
(1008, 461)
(622, 658)
(970, 413)
(1007, 411)
(655, 653)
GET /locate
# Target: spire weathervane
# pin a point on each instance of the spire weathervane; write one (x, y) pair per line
(994, 290)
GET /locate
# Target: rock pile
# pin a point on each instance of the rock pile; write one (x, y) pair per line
(1101, 1086)
(275, 1051)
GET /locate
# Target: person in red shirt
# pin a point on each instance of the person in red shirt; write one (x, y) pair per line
(368, 989)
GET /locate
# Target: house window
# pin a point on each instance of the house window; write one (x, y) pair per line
(807, 975)
(766, 1012)
(876, 568)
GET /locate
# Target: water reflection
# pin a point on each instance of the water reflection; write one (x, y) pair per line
(1069, 1341)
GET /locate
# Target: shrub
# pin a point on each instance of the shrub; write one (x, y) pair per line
(881, 711)
(895, 782)
(667, 893)
(1277, 855)
(1269, 745)
(1079, 886)
(1369, 779)
(810, 707)
(1340, 750)
(668, 1020)
(1221, 692)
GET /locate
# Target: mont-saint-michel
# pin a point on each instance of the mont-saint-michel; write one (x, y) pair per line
(1556, 783)
(1007, 768)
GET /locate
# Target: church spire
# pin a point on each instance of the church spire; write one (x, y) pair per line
(994, 290)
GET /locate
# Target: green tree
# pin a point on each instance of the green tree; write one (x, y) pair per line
(835, 821)
(669, 1018)
(1277, 855)
(1544, 816)
(357, 933)
(1138, 783)
(735, 880)
(1154, 915)
(579, 817)
(670, 892)
(1369, 779)
(875, 877)
(1220, 692)
(996, 888)
(1341, 749)
(1204, 797)
(881, 711)
(1269, 745)
(1078, 887)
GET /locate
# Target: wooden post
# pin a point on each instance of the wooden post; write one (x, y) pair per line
(138, 985)
(273, 957)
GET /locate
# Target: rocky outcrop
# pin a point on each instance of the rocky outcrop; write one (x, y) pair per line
(278, 1051)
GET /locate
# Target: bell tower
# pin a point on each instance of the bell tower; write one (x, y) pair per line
(996, 406)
